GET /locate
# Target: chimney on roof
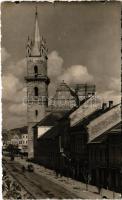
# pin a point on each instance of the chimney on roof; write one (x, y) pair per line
(110, 104)
(104, 106)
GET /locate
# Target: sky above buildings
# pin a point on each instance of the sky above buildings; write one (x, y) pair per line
(83, 41)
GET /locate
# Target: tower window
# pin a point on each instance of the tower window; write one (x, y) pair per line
(36, 113)
(35, 70)
(36, 91)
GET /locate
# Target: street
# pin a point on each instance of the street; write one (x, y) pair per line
(36, 185)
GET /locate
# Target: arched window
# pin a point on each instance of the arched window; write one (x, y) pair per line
(36, 70)
(36, 91)
(36, 113)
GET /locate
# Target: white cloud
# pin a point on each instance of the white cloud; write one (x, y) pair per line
(13, 121)
(55, 63)
(110, 95)
(18, 109)
(18, 69)
(73, 74)
(112, 90)
(12, 88)
(13, 91)
(10, 85)
(76, 74)
(55, 69)
(115, 84)
(4, 55)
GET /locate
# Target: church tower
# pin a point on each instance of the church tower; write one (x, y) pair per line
(37, 82)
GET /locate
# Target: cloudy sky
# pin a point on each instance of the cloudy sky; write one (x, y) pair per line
(84, 47)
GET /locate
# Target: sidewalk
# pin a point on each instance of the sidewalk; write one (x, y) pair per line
(75, 187)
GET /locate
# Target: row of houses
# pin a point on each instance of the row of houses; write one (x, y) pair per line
(84, 143)
(17, 137)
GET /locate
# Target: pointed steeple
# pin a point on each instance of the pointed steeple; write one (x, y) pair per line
(37, 38)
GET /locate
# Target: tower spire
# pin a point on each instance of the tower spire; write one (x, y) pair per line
(36, 39)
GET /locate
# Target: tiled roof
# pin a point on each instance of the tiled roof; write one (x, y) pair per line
(114, 130)
(104, 122)
(89, 107)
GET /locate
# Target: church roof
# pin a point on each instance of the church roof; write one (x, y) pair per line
(63, 98)
(51, 119)
(62, 87)
(63, 91)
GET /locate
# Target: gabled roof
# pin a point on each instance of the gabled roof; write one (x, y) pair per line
(92, 116)
(90, 106)
(116, 130)
(104, 122)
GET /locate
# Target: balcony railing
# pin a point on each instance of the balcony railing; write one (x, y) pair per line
(37, 78)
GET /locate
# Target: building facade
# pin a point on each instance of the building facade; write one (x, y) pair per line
(105, 159)
(24, 143)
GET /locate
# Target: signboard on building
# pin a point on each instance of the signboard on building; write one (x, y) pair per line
(104, 122)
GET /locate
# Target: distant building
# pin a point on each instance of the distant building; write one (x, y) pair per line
(24, 142)
(19, 138)
(15, 140)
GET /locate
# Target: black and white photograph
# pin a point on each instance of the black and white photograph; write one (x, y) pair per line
(61, 100)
